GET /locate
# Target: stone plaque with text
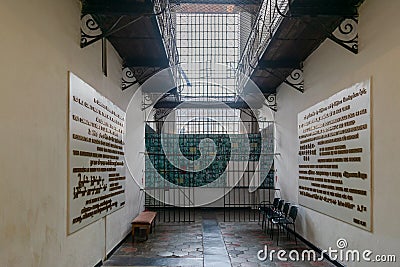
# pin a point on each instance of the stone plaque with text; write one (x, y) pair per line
(96, 182)
(335, 156)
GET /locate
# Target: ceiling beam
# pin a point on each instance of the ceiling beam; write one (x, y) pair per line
(313, 8)
(279, 64)
(127, 38)
(117, 7)
(146, 62)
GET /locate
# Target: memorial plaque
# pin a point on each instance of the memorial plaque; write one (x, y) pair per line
(334, 156)
(96, 169)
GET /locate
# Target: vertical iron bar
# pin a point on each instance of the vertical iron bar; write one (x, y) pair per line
(104, 56)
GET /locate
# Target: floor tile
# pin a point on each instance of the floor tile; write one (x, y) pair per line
(209, 241)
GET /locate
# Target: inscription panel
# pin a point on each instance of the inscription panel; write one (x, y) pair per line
(96, 178)
(334, 156)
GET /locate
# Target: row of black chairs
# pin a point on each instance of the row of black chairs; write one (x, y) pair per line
(280, 214)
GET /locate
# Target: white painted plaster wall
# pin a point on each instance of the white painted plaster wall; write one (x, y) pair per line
(39, 45)
(327, 71)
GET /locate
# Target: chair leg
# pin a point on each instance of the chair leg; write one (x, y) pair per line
(266, 224)
(279, 230)
(287, 232)
(294, 233)
(262, 222)
(271, 230)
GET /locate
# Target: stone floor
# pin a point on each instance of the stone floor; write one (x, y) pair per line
(209, 241)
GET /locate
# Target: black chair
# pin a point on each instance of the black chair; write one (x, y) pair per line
(284, 222)
(275, 213)
(262, 207)
(283, 214)
(265, 208)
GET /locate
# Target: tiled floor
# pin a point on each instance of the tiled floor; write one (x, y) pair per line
(209, 241)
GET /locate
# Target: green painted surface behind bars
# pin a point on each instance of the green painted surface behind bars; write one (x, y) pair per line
(229, 148)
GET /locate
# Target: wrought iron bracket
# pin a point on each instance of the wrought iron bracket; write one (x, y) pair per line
(90, 30)
(161, 113)
(147, 101)
(128, 78)
(346, 34)
(150, 99)
(271, 102)
(133, 75)
(296, 80)
(90, 33)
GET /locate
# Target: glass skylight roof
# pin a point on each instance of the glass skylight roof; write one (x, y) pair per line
(208, 48)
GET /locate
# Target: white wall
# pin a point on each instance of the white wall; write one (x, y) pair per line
(39, 45)
(327, 71)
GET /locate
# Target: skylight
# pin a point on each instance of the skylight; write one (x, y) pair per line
(204, 40)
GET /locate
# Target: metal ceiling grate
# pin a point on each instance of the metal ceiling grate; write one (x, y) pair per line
(203, 40)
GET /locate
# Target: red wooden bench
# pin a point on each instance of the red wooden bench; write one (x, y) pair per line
(145, 220)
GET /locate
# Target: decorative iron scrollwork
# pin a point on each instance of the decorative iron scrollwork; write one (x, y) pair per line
(147, 101)
(133, 75)
(89, 29)
(271, 101)
(346, 34)
(161, 113)
(296, 80)
(128, 78)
